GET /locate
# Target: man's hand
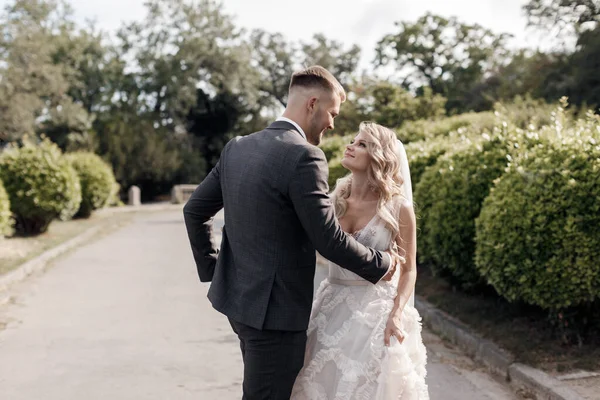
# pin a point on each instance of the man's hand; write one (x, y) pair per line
(392, 270)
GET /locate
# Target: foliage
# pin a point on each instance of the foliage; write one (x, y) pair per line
(97, 181)
(142, 155)
(331, 54)
(387, 104)
(540, 75)
(585, 87)
(450, 195)
(336, 171)
(448, 55)
(41, 185)
(538, 232)
(32, 85)
(195, 80)
(574, 15)
(6, 220)
(392, 105)
(273, 57)
(334, 146)
(414, 131)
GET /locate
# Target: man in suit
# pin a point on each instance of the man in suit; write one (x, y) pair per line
(273, 186)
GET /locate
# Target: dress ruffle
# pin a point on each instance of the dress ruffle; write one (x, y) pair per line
(346, 358)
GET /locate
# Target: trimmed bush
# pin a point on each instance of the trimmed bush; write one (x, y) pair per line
(525, 111)
(114, 200)
(336, 171)
(449, 196)
(424, 154)
(41, 185)
(334, 146)
(414, 131)
(6, 221)
(538, 234)
(97, 181)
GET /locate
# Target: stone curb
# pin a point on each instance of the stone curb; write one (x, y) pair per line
(496, 359)
(39, 263)
(144, 207)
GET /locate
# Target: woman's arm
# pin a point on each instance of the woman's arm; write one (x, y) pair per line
(407, 241)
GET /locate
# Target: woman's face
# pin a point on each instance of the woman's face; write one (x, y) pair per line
(357, 157)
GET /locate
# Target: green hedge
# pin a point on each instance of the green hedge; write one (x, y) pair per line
(449, 197)
(538, 234)
(97, 181)
(41, 185)
(422, 155)
(6, 220)
(334, 146)
(414, 131)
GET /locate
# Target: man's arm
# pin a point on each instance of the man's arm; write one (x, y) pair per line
(308, 191)
(198, 212)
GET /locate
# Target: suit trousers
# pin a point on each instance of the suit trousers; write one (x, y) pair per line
(272, 360)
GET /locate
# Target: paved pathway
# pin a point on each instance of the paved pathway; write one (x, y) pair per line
(125, 317)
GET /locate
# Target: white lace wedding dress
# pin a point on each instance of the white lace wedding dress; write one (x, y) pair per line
(346, 358)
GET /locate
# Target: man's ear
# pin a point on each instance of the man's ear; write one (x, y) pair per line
(312, 104)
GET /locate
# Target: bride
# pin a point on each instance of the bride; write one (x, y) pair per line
(364, 340)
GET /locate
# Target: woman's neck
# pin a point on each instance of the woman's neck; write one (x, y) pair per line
(360, 189)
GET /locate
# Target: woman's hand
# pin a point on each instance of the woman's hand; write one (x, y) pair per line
(392, 328)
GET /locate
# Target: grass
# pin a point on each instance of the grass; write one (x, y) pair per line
(16, 250)
(523, 330)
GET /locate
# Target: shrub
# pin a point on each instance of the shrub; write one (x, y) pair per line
(424, 154)
(450, 195)
(6, 221)
(336, 171)
(115, 197)
(538, 235)
(97, 181)
(414, 131)
(524, 112)
(334, 146)
(41, 185)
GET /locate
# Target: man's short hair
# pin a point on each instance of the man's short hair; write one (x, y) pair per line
(317, 77)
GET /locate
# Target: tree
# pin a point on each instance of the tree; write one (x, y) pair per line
(449, 56)
(92, 66)
(140, 153)
(331, 55)
(387, 104)
(31, 84)
(542, 75)
(180, 46)
(586, 64)
(581, 20)
(568, 16)
(276, 59)
(273, 56)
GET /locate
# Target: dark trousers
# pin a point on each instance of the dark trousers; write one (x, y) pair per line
(272, 360)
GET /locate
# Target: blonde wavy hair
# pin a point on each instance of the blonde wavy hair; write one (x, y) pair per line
(383, 175)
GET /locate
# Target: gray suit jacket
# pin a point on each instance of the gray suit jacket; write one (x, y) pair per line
(273, 185)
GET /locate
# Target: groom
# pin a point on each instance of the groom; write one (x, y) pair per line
(273, 186)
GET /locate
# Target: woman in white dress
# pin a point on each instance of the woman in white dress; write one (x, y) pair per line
(364, 340)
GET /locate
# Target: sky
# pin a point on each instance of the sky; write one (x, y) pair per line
(361, 22)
